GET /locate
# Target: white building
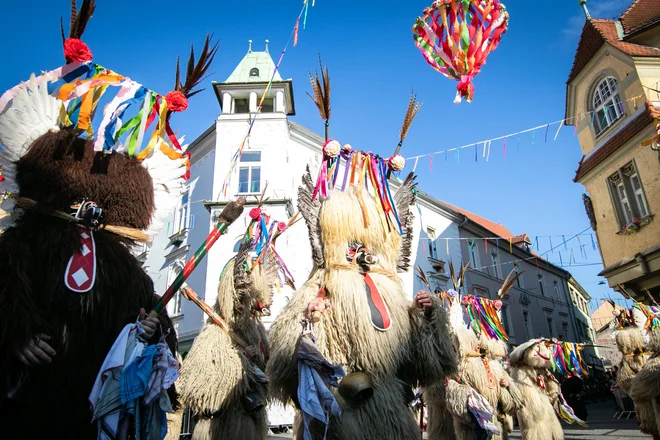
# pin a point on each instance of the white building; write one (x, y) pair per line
(277, 152)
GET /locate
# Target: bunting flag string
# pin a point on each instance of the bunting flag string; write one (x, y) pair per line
(486, 144)
(239, 152)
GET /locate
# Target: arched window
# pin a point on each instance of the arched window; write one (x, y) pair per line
(254, 72)
(606, 104)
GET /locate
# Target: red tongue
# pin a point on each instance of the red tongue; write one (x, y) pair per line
(81, 271)
(380, 316)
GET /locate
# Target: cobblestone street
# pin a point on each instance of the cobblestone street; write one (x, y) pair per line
(602, 425)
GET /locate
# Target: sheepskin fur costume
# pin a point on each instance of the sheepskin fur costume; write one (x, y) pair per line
(216, 375)
(529, 369)
(416, 349)
(475, 356)
(642, 377)
(511, 398)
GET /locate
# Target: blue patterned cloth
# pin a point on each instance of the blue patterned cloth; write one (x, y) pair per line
(315, 373)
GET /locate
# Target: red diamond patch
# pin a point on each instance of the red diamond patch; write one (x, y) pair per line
(81, 271)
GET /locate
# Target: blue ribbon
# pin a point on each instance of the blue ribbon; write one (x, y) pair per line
(110, 128)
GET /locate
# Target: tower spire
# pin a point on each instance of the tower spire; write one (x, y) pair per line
(583, 3)
(267, 45)
(249, 46)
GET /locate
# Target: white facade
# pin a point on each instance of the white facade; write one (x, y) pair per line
(276, 152)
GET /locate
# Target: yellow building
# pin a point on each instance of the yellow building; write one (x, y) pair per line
(613, 100)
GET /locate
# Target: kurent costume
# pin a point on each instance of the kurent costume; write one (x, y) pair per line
(639, 344)
(453, 412)
(530, 364)
(226, 389)
(360, 239)
(67, 275)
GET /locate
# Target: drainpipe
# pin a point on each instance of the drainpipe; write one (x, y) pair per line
(643, 264)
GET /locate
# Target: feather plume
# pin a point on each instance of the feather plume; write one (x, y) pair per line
(422, 276)
(508, 282)
(321, 89)
(78, 20)
(196, 72)
(310, 209)
(168, 184)
(33, 112)
(404, 199)
(413, 108)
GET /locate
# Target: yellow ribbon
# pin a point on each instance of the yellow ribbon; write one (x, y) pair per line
(89, 101)
(157, 134)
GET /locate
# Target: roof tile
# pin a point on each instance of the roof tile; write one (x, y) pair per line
(595, 33)
(640, 14)
(617, 141)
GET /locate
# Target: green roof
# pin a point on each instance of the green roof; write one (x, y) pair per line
(259, 60)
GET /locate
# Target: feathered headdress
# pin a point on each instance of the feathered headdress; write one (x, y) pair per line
(135, 122)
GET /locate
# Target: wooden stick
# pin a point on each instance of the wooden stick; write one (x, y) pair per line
(190, 295)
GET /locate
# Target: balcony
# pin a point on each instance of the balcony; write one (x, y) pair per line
(437, 265)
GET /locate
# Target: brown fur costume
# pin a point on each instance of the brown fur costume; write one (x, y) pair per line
(452, 412)
(216, 375)
(641, 377)
(59, 170)
(416, 349)
(529, 369)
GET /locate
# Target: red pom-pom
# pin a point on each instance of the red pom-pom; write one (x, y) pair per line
(176, 101)
(76, 51)
(255, 213)
(281, 226)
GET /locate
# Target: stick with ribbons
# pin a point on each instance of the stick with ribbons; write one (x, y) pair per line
(232, 211)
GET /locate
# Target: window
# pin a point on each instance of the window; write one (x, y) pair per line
(249, 173)
(433, 246)
(176, 304)
(555, 286)
(564, 329)
(241, 105)
(528, 325)
(182, 218)
(480, 291)
(474, 256)
(254, 72)
(541, 285)
(628, 195)
(268, 106)
(496, 269)
(550, 326)
(606, 104)
(505, 317)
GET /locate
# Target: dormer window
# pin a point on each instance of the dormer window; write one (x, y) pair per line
(606, 104)
(254, 73)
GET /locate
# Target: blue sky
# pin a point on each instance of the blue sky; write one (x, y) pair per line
(374, 64)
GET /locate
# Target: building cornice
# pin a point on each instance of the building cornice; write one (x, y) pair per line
(219, 87)
(204, 143)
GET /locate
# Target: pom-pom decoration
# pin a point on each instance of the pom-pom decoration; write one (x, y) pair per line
(255, 213)
(281, 226)
(456, 36)
(396, 162)
(76, 51)
(347, 147)
(331, 149)
(176, 101)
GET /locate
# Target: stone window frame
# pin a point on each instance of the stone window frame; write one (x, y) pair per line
(613, 100)
(621, 179)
